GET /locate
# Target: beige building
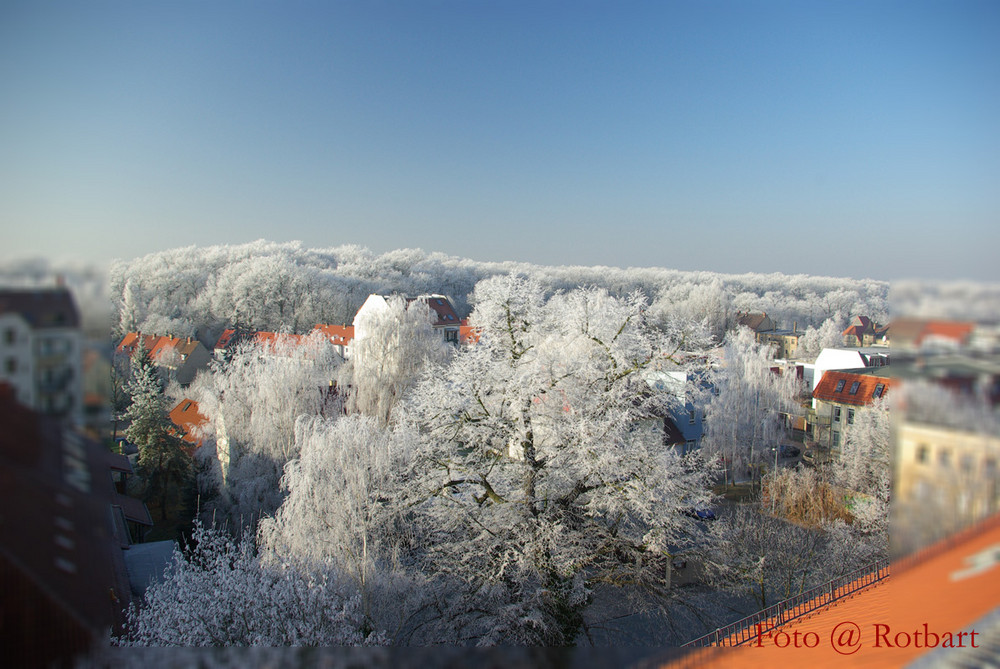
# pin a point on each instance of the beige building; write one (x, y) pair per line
(946, 477)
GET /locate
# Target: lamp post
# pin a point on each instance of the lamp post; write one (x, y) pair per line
(774, 473)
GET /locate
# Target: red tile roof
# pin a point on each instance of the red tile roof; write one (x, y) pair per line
(225, 338)
(468, 334)
(339, 335)
(954, 330)
(272, 340)
(189, 421)
(863, 395)
(943, 590)
(157, 345)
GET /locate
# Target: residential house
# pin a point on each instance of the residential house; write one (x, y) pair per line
(180, 358)
(189, 424)
(836, 399)
(340, 336)
(66, 522)
(445, 319)
(947, 451)
(683, 425)
(862, 331)
(929, 335)
(842, 359)
(784, 343)
(757, 322)
(40, 351)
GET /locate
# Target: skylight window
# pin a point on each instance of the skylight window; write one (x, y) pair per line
(878, 391)
(840, 385)
(854, 387)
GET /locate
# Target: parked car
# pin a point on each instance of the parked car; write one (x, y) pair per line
(789, 451)
(700, 514)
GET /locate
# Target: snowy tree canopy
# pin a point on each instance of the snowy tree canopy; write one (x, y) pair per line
(386, 360)
(746, 413)
(221, 594)
(541, 460)
(269, 286)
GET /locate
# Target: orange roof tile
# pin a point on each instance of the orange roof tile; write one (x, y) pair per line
(189, 421)
(468, 334)
(340, 335)
(863, 395)
(939, 592)
(946, 330)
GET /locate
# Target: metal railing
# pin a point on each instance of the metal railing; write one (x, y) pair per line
(745, 630)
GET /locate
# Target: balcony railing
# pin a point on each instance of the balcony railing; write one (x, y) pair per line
(746, 630)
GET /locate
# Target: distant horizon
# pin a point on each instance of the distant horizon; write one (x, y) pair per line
(844, 139)
(105, 263)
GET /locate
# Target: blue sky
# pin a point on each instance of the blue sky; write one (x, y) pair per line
(844, 138)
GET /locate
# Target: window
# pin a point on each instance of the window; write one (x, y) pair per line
(836, 440)
(922, 453)
(850, 416)
(691, 416)
(854, 387)
(11, 365)
(9, 336)
(878, 391)
(967, 463)
(840, 385)
(836, 414)
(944, 457)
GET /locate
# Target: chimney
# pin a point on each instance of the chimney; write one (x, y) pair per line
(795, 326)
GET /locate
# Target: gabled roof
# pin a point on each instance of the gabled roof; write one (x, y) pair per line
(43, 308)
(339, 335)
(864, 393)
(189, 421)
(914, 331)
(954, 330)
(274, 339)
(442, 308)
(227, 337)
(754, 321)
(157, 345)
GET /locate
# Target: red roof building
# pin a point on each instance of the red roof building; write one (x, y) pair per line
(190, 423)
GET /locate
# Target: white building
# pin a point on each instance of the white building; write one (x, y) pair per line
(844, 359)
(446, 320)
(40, 350)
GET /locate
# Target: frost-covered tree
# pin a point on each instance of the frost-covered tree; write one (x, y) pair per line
(221, 594)
(164, 467)
(343, 507)
(386, 360)
(750, 402)
(538, 471)
(770, 559)
(814, 340)
(252, 402)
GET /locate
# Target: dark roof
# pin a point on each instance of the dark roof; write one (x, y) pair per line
(442, 308)
(755, 321)
(44, 308)
(58, 543)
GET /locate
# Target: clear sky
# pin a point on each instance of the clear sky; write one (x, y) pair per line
(844, 138)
